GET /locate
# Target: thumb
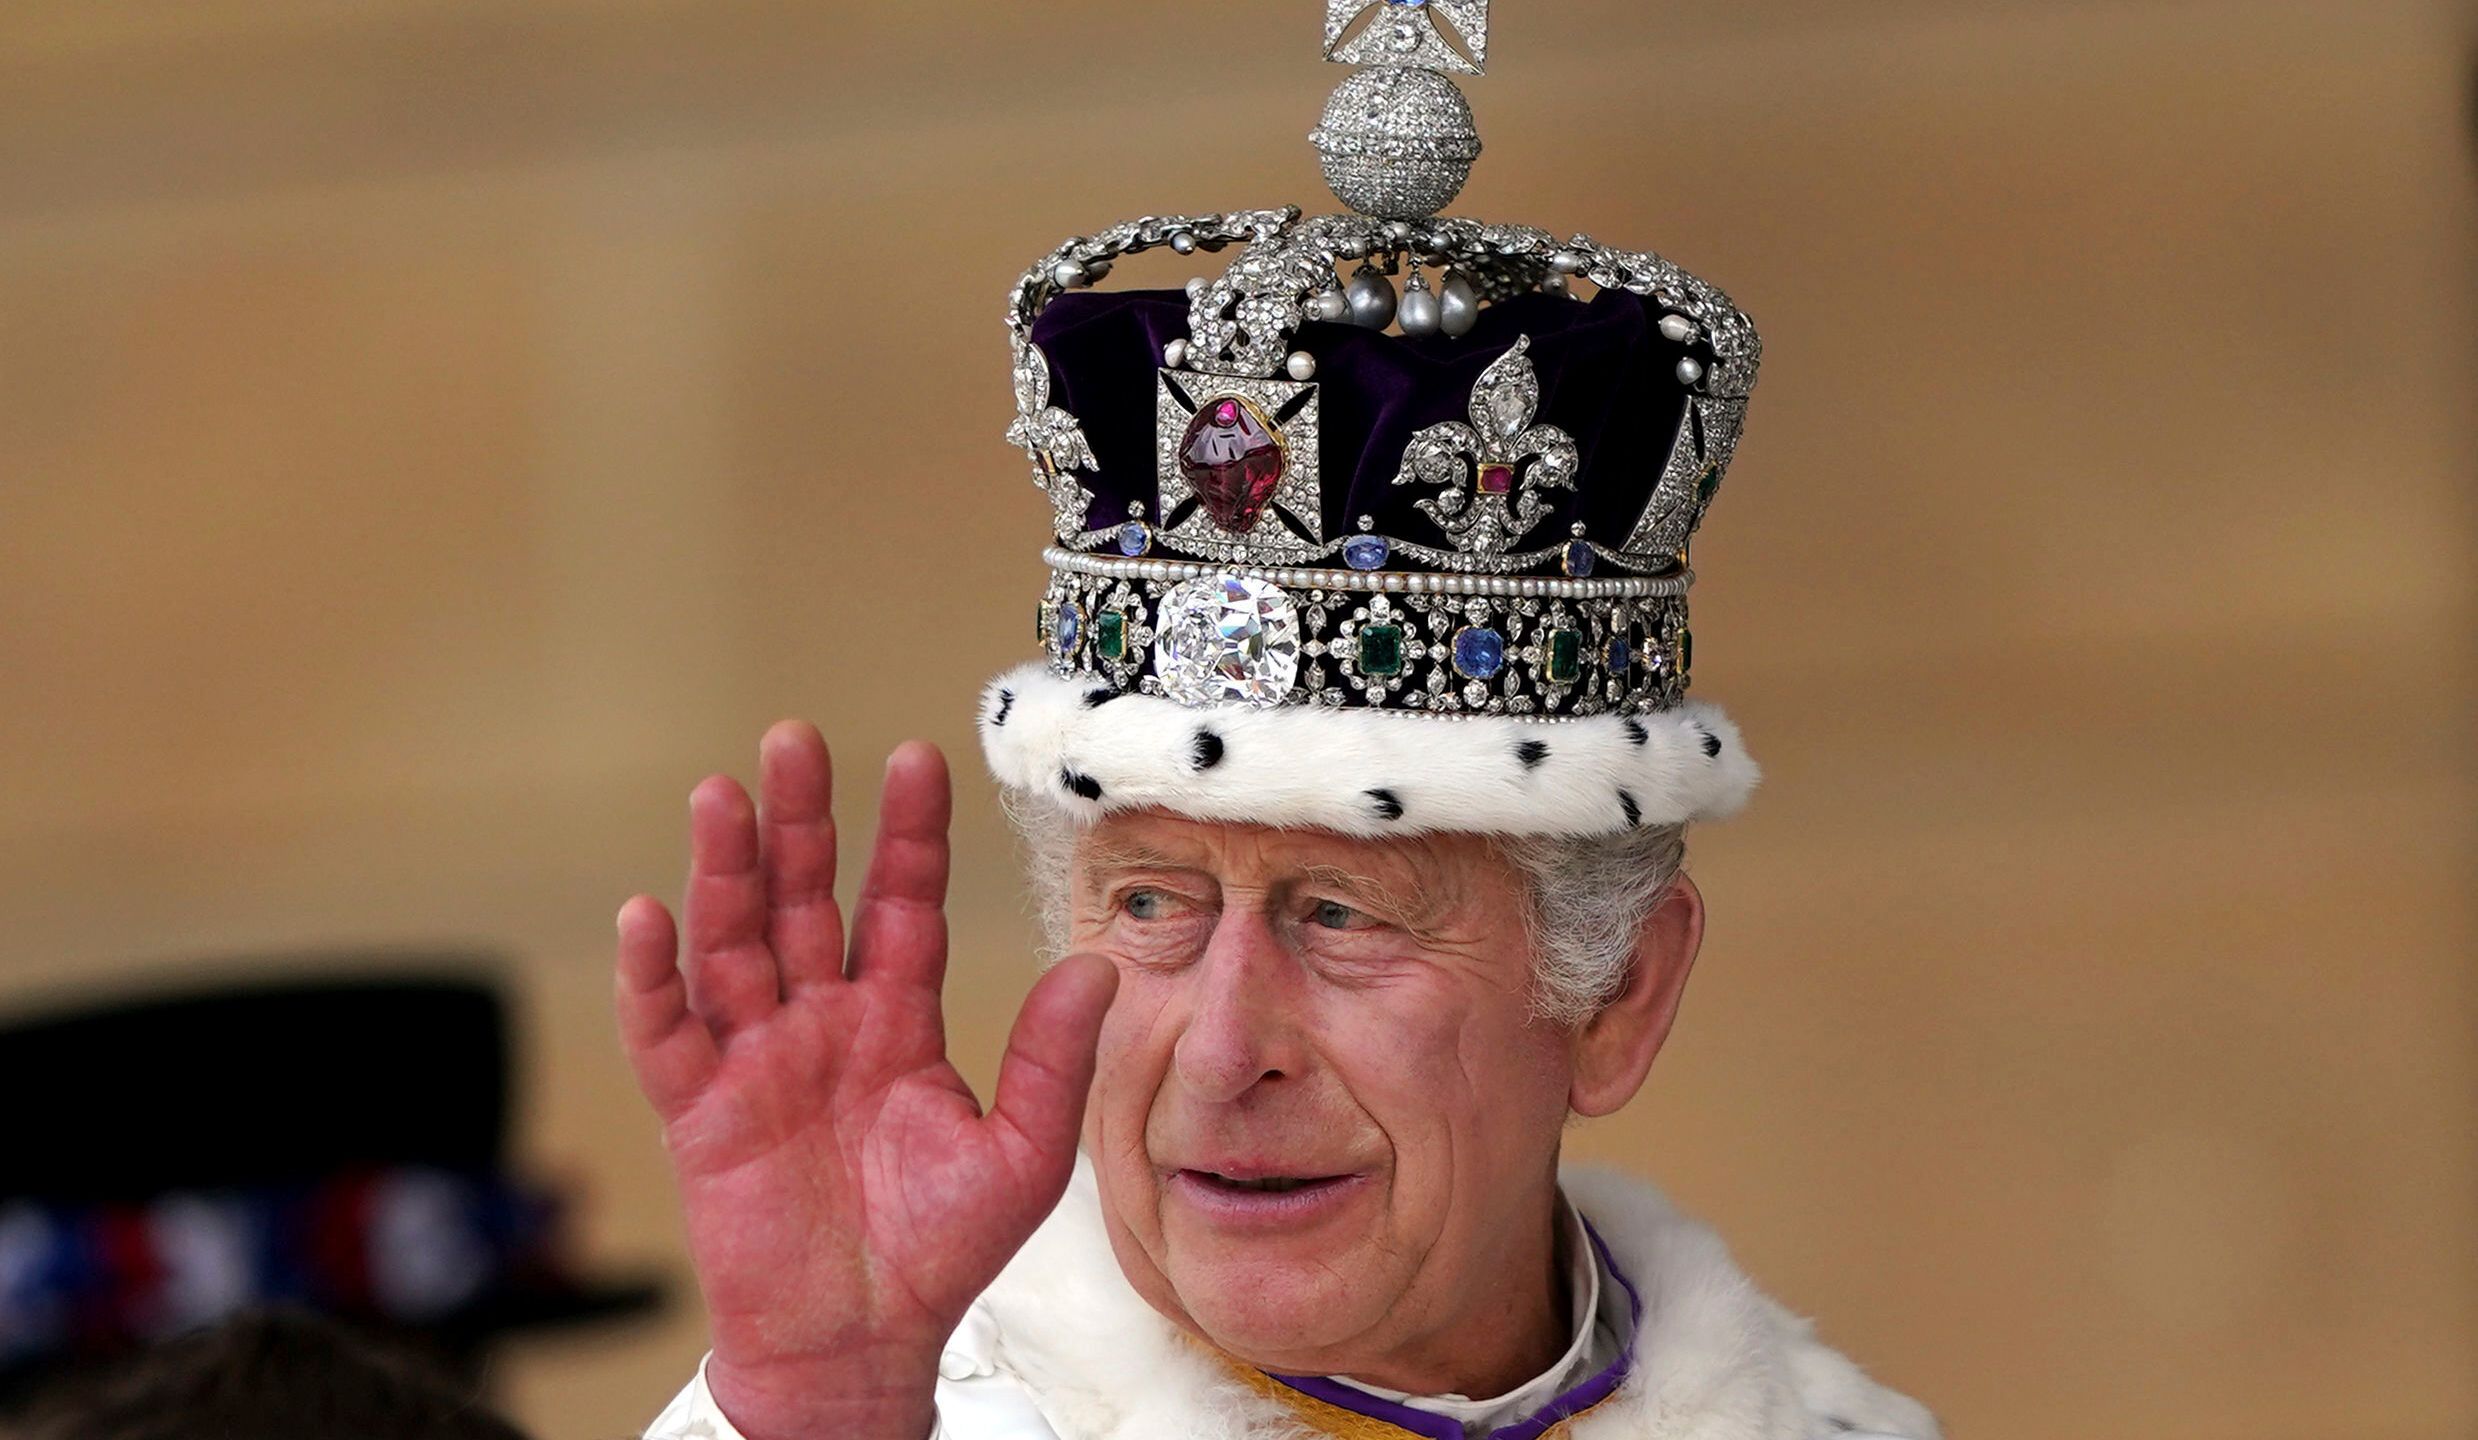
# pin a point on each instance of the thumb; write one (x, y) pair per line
(1049, 1065)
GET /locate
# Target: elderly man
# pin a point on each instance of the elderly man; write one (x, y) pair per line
(1354, 784)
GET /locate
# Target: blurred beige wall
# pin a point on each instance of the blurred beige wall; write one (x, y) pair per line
(435, 432)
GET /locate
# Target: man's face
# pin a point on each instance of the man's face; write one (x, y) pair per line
(1324, 1123)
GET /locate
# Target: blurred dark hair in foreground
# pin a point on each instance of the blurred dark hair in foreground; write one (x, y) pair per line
(277, 1374)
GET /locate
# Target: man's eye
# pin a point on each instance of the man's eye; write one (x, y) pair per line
(1334, 915)
(1146, 904)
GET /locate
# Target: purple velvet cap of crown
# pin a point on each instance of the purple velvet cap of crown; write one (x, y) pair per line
(1608, 378)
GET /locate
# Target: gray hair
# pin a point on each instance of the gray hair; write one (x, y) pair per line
(1589, 898)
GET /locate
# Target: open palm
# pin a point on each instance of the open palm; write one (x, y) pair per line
(845, 1196)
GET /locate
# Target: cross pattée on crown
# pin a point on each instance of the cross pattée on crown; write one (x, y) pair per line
(1422, 34)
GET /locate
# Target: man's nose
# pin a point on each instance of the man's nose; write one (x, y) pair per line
(1242, 1017)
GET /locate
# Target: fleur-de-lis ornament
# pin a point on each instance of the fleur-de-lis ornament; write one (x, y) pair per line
(1408, 32)
(1052, 439)
(1491, 497)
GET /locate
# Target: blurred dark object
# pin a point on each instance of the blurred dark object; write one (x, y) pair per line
(268, 1375)
(339, 1145)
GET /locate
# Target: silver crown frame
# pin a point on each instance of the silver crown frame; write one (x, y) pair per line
(1247, 604)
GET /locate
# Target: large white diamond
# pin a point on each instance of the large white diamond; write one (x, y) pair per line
(1226, 637)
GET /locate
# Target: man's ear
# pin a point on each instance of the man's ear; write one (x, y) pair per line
(1613, 1050)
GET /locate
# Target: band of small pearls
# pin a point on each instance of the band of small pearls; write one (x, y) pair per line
(1395, 582)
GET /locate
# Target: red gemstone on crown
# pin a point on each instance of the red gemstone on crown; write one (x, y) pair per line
(1233, 461)
(1496, 479)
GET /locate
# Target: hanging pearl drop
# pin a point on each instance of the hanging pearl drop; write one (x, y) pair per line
(1371, 298)
(1330, 306)
(1301, 365)
(1421, 314)
(1460, 305)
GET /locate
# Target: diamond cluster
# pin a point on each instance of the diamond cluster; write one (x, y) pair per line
(1226, 638)
(1406, 32)
(1501, 504)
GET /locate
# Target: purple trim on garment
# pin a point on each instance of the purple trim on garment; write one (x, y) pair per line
(1438, 1427)
(1360, 1402)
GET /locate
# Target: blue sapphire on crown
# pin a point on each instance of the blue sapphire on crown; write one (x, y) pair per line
(1366, 552)
(1479, 652)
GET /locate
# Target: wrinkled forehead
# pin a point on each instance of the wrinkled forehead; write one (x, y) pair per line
(1425, 864)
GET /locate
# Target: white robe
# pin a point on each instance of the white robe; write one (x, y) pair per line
(1060, 1347)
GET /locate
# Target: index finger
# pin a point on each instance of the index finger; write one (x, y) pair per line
(732, 978)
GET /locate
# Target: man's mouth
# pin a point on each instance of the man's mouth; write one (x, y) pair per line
(1274, 1199)
(1262, 1184)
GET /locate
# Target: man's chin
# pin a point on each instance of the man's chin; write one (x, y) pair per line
(1282, 1315)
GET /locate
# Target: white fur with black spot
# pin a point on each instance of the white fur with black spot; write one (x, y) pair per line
(1348, 769)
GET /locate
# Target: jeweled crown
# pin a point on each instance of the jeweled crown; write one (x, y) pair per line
(1471, 493)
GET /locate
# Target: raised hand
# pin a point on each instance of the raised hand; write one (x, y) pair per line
(845, 1196)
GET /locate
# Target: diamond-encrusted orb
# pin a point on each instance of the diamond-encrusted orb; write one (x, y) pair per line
(1227, 638)
(1479, 652)
(1397, 143)
(1366, 552)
